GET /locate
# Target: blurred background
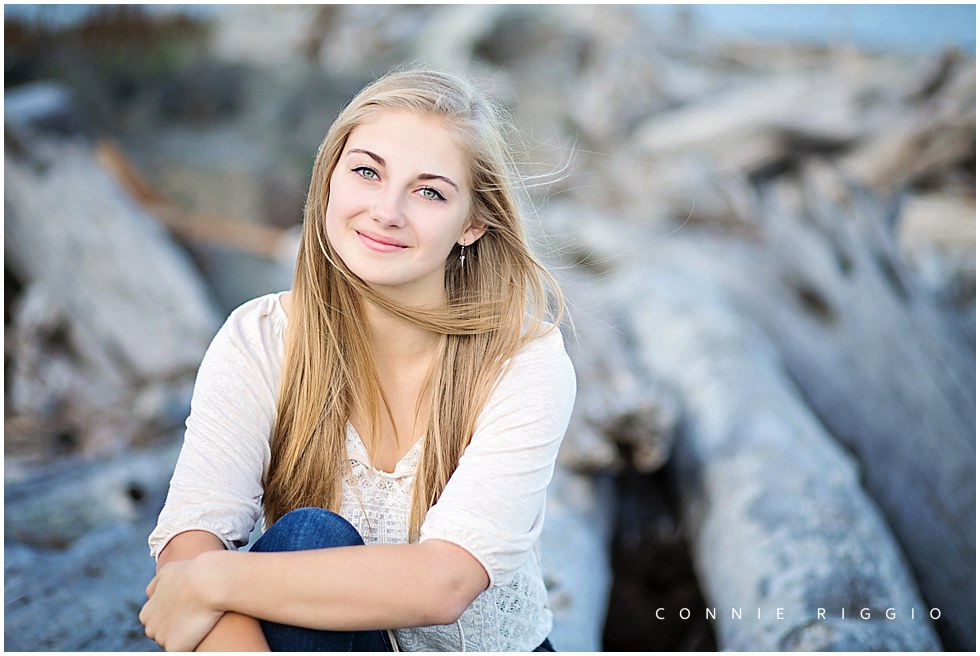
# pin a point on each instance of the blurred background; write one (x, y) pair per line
(764, 218)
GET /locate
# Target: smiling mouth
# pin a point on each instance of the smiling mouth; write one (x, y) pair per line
(378, 243)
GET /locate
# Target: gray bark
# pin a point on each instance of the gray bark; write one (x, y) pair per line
(575, 558)
(70, 227)
(87, 598)
(99, 345)
(622, 416)
(58, 505)
(774, 506)
(888, 368)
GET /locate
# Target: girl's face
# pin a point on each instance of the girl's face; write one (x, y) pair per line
(399, 203)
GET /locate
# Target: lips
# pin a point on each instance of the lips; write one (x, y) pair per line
(378, 243)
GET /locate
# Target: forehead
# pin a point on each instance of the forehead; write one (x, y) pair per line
(412, 142)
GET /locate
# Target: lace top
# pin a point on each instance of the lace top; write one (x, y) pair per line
(492, 506)
(377, 504)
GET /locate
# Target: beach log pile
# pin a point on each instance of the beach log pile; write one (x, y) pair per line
(796, 186)
(808, 245)
(102, 351)
(107, 320)
(781, 528)
(768, 252)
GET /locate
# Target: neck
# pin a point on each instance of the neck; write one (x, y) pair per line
(397, 342)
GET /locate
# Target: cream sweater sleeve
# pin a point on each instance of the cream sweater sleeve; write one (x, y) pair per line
(493, 505)
(217, 483)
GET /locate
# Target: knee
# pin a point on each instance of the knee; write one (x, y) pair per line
(308, 528)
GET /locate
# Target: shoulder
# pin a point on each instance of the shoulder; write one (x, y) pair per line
(255, 330)
(269, 308)
(260, 315)
(238, 381)
(541, 367)
(545, 347)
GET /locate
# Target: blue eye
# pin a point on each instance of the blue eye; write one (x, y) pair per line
(365, 172)
(431, 194)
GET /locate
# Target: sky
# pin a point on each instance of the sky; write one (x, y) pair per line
(902, 27)
(912, 28)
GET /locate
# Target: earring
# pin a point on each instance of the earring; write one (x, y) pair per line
(462, 254)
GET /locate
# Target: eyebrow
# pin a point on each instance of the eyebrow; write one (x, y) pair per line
(422, 176)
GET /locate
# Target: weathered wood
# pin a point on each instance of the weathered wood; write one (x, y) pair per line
(451, 36)
(575, 558)
(70, 227)
(50, 396)
(886, 367)
(725, 125)
(76, 560)
(226, 231)
(87, 598)
(774, 506)
(58, 404)
(814, 292)
(827, 282)
(53, 507)
(240, 260)
(935, 133)
(113, 319)
(622, 417)
(942, 220)
(854, 323)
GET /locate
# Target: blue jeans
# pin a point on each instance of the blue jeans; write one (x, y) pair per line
(314, 528)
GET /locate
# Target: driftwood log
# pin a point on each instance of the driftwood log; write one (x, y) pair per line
(622, 416)
(240, 260)
(86, 598)
(57, 505)
(934, 133)
(733, 183)
(575, 558)
(699, 157)
(76, 560)
(785, 540)
(821, 277)
(889, 369)
(69, 227)
(92, 264)
(817, 266)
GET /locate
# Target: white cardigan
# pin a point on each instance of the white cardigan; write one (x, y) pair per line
(493, 505)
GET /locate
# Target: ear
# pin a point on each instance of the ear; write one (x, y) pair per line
(474, 230)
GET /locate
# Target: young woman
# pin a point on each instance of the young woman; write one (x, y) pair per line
(396, 416)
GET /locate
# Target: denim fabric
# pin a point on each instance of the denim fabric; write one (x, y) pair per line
(314, 528)
(545, 646)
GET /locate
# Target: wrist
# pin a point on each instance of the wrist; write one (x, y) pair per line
(216, 579)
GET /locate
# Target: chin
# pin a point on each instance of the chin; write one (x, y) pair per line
(374, 275)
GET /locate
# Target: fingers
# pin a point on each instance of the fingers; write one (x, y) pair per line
(144, 615)
(173, 620)
(147, 629)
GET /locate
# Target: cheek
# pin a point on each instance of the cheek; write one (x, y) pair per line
(337, 205)
(334, 222)
(441, 235)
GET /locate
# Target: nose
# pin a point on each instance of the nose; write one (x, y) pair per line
(387, 209)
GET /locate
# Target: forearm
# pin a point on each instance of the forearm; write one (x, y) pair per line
(187, 545)
(233, 632)
(351, 588)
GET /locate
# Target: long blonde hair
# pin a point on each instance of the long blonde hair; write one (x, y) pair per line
(496, 301)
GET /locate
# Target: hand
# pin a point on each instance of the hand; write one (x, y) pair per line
(180, 612)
